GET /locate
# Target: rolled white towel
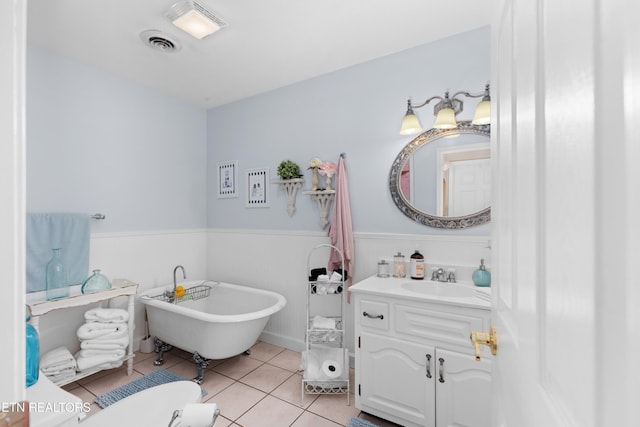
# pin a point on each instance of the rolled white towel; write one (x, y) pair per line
(88, 359)
(105, 344)
(320, 322)
(61, 375)
(90, 352)
(59, 369)
(106, 315)
(57, 359)
(97, 330)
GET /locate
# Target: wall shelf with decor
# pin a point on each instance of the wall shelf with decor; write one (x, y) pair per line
(323, 198)
(290, 187)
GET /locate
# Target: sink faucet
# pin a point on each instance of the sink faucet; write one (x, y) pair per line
(440, 275)
(175, 282)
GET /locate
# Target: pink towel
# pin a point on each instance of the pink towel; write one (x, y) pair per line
(341, 228)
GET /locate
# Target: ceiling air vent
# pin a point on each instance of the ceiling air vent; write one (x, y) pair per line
(160, 41)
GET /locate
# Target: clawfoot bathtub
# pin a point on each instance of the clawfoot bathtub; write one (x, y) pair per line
(213, 320)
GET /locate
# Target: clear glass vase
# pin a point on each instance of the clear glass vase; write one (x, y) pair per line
(57, 279)
(95, 283)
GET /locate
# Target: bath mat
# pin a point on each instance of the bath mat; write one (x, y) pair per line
(359, 422)
(157, 377)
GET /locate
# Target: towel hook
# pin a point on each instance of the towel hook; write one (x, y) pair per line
(98, 216)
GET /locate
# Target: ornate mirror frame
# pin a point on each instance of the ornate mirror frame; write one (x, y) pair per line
(452, 223)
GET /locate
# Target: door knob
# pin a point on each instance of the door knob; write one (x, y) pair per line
(489, 339)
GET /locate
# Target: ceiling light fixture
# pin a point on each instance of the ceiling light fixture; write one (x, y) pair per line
(446, 111)
(193, 18)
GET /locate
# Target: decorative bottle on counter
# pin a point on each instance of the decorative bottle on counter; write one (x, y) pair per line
(57, 281)
(416, 264)
(33, 352)
(481, 277)
(95, 283)
(398, 265)
(383, 268)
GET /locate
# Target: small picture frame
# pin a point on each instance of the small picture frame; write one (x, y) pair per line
(257, 188)
(227, 179)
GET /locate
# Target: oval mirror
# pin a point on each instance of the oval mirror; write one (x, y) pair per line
(442, 178)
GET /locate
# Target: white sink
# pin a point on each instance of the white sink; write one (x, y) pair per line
(440, 289)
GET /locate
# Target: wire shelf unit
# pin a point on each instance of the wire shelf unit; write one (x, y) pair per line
(325, 359)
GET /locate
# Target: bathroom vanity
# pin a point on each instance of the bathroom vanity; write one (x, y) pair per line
(415, 362)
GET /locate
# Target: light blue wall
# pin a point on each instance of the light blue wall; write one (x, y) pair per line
(355, 110)
(97, 143)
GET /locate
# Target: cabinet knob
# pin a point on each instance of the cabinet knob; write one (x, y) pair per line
(379, 316)
(489, 339)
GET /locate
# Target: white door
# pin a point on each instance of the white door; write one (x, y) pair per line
(469, 186)
(566, 213)
(12, 193)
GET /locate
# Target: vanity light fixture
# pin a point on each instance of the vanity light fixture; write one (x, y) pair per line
(194, 19)
(446, 111)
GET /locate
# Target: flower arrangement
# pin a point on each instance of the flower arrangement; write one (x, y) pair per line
(315, 163)
(328, 169)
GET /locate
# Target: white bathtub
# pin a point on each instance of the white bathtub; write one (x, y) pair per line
(224, 324)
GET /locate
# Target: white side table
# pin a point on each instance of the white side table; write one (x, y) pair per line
(38, 306)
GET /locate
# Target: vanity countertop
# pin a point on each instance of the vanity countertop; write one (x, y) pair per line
(463, 294)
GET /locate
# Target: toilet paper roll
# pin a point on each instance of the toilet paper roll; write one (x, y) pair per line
(332, 369)
(198, 414)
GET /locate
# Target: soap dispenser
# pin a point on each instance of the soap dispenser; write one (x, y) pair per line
(482, 276)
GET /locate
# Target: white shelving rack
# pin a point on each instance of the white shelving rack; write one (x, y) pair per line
(326, 359)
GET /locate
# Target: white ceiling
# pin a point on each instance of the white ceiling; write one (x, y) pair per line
(267, 44)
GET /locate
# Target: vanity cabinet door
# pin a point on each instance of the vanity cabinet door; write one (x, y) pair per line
(399, 380)
(463, 390)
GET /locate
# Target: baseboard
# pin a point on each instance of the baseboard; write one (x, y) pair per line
(282, 341)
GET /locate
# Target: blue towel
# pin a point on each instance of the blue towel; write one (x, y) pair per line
(46, 231)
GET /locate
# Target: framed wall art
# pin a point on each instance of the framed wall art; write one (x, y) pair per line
(257, 191)
(227, 179)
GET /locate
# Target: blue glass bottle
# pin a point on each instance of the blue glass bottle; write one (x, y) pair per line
(481, 277)
(57, 281)
(33, 353)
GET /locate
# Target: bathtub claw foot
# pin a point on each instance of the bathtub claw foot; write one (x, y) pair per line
(160, 347)
(202, 365)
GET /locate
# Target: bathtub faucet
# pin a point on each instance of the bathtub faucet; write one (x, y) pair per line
(175, 281)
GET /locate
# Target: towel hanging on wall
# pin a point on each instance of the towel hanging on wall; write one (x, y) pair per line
(341, 227)
(46, 231)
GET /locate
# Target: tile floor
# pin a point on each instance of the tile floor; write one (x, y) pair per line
(262, 389)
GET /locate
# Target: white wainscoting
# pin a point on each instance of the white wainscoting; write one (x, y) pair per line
(276, 260)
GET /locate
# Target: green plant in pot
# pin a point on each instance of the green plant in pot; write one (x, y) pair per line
(288, 170)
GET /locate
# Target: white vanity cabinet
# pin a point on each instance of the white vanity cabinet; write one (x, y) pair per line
(415, 364)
